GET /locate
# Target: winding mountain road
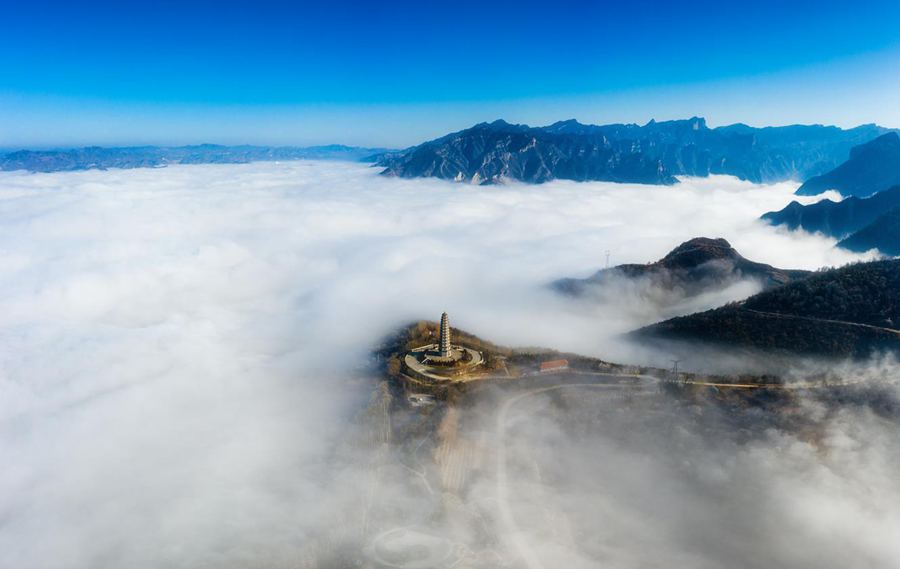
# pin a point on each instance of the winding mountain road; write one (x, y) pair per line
(782, 316)
(516, 538)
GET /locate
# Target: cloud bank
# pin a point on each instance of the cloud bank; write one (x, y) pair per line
(182, 351)
(606, 483)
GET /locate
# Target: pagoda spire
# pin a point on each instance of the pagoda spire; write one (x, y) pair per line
(445, 336)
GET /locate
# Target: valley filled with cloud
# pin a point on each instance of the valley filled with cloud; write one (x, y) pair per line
(183, 349)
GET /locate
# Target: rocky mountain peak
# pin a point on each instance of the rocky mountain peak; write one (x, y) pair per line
(699, 250)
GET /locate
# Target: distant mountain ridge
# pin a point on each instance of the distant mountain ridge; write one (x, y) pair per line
(96, 157)
(696, 266)
(654, 153)
(882, 234)
(836, 219)
(871, 168)
(488, 153)
(862, 224)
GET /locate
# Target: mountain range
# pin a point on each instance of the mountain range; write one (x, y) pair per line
(696, 266)
(95, 157)
(654, 153)
(851, 311)
(862, 223)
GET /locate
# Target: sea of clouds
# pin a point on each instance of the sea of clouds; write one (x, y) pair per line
(181, 349)
(602, 483)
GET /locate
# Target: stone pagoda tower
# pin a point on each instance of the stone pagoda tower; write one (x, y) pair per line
(444, 346)
(444, 352)
(442, 361)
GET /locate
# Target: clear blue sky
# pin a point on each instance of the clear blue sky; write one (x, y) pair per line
(392, 73)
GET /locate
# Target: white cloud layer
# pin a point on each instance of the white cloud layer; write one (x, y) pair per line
(180, 349)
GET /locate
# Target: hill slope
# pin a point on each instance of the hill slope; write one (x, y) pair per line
(871, 168)
(653, 153)
(694, 267)
(849, 311)
(836, 219)
(882, 234)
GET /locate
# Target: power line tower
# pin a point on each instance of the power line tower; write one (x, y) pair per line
(675, 369)
(607, 258)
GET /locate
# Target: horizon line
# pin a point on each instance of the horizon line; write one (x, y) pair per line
(132, 145)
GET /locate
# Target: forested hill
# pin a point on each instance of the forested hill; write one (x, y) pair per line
(694, 267)
(849, 311)
(865, 293)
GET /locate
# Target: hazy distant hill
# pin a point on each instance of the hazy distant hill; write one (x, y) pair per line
(156, 156)
(836, 219)
(653, 153)
(694, 267)
(882, 234)
(849, 311)
(862, 223)
(872, 167)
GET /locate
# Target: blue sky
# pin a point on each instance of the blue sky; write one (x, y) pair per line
(393, 73)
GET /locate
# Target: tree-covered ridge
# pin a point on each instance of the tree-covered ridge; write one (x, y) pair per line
(851, 311)
(864, 293)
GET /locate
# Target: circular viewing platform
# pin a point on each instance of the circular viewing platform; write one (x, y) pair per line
(426, 362)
